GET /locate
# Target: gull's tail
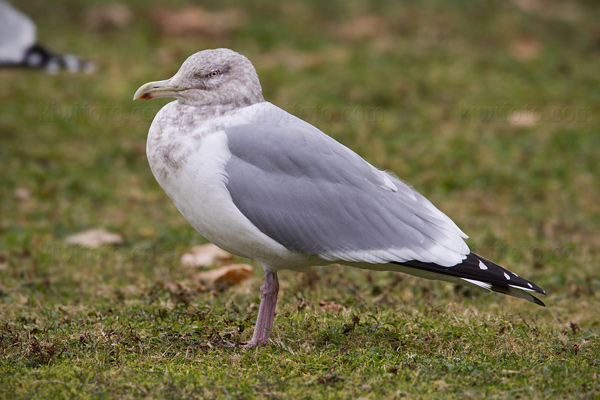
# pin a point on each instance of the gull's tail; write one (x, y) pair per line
(479, 272)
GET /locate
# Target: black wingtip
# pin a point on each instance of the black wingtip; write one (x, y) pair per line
(477, 268)
(538, 301)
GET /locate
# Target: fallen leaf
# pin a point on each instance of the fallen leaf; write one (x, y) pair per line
(561, 10)
(194, 20)
(525, 49)
(146, 232)
(523, 118)
(205, 255)
(232, 274)
(331, 306)
(441, 384)
(22, 194)
(111, 16)
(94, 238)
(366, 26)
(533, 6)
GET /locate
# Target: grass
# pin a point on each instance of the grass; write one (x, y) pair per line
(490, 109)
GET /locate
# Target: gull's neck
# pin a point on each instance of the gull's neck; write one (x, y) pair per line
(176, 120)
(208, 111)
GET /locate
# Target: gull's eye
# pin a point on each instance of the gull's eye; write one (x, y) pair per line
(213, 74)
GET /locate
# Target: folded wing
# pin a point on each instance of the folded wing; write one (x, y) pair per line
(316, 196)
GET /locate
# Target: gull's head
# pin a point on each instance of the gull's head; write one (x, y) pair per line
(219, 77)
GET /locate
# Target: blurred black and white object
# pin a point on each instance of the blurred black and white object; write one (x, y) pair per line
(19, 47)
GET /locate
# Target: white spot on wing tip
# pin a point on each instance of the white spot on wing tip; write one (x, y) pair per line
(530, 285)
(482, 265)
(507, 276)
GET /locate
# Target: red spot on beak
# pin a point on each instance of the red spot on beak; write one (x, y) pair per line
(146, 96)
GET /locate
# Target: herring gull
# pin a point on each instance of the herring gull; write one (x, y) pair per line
(264, 184)
(19, 47)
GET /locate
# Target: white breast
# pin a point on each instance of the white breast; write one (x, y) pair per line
(190, 167)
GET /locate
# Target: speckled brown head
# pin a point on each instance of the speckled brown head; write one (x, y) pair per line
(219, 77)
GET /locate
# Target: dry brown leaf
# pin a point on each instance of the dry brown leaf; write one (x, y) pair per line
(115, 15)
(523, 118)
(194, 20)
(441, 384)
(562, 10)
(22, 194)
(146, 232)
(533, 6)
(525, 49)
(94, 238)
(232, 274)
(331, 306)
(205, 255)
(367, 26)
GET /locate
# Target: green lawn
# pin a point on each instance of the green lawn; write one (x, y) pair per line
(490, 109)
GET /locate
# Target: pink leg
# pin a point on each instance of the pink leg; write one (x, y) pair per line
(266, 311)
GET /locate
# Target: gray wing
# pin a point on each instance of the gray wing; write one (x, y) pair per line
(313, 195)
(17, 34)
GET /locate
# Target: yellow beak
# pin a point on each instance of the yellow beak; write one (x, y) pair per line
(158, 89)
